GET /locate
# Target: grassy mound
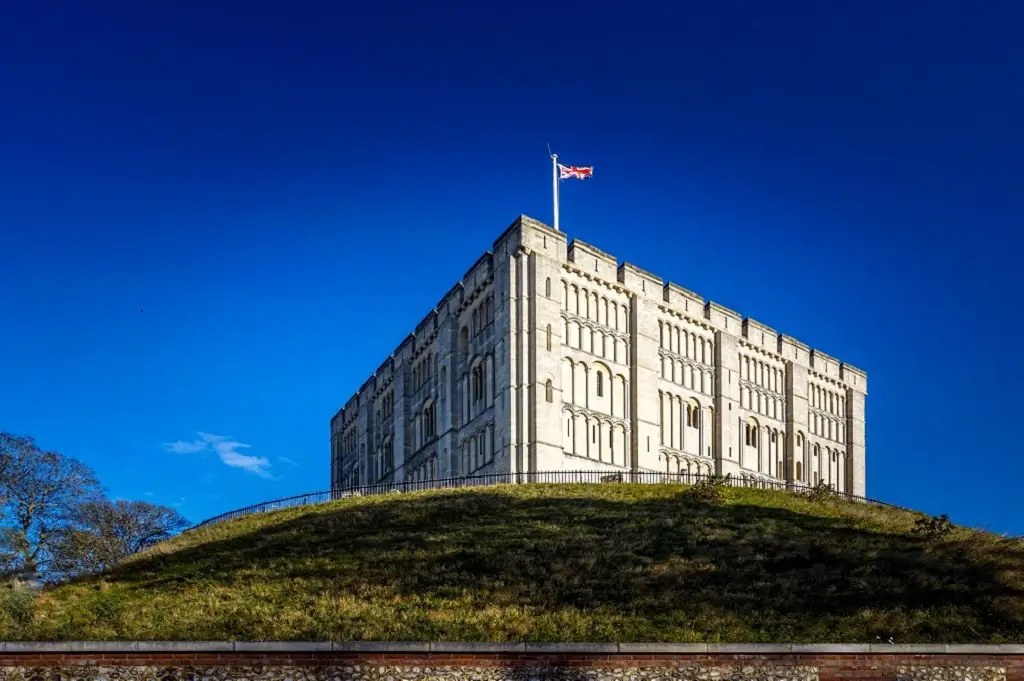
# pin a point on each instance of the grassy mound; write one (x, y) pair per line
(554, 563)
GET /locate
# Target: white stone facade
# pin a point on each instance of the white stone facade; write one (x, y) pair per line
(551, 356)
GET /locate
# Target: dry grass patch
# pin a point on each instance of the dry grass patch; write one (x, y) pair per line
(556, 563)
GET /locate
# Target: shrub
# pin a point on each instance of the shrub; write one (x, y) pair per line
(933, 528)
(17, 606)
(710, 490)
(822, 492)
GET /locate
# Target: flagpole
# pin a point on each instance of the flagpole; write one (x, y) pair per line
(554, 185)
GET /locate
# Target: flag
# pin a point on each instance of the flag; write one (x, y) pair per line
(579, 172)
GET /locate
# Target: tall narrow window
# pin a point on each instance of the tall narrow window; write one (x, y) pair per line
(547, 287)
(600, 384)
(549, 391)
(549, 338)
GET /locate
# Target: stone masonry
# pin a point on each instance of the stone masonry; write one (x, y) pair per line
(550, 355)
(449, 661)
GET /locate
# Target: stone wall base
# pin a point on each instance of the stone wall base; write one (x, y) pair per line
(410, 665)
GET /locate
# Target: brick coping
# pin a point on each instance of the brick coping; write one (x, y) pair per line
(509, 648)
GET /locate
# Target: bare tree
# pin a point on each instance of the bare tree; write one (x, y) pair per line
(106, 532)
(41, 492)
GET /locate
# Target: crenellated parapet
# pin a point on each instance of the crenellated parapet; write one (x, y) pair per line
(854, 377)
(792, 350)
(683, 301)
(593, 260)
(722, 318)
(760, 336)
(640, 281)
(531, 236)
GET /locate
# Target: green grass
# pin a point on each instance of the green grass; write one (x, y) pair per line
(554, 563)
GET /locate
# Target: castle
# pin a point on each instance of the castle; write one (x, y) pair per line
(550, 356)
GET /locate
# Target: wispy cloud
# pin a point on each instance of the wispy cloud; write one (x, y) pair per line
(227, 448)
(182, 447)
(287, 461)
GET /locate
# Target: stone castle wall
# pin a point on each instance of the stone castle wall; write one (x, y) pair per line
(550, 355)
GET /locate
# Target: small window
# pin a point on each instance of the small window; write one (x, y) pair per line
(593, 433)
(549, 392)
(600, 379)
(547, 287)
(549, 338)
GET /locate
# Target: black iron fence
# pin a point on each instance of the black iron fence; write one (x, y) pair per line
(553, 477)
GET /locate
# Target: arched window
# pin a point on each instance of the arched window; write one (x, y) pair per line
(752, 433)
(799, 470)
(430, 421)
(547, 287)
(478, 382)
(549, 392)
(600, 384)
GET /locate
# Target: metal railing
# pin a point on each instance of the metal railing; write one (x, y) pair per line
(546, 477)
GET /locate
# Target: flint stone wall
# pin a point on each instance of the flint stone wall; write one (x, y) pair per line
(950, 673)
(369, 661)
(415, 673)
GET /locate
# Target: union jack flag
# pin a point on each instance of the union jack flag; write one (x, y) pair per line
(579, 172)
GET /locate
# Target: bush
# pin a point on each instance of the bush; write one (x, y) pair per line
(933, 528)
(17, 606)
(821, 492)
(710, 490)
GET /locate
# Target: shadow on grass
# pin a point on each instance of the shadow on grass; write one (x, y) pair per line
(763, 573)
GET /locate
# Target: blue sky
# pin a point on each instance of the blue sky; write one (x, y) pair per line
(216, 219)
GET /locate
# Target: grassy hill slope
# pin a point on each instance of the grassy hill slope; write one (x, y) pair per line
(555, 563)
